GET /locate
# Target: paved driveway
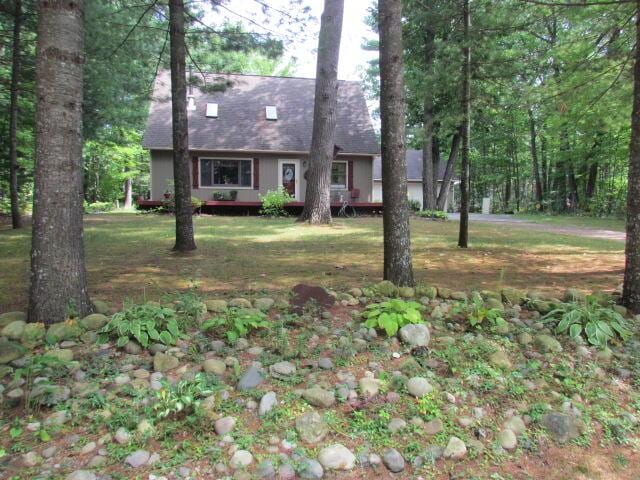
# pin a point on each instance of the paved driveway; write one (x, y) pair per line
(544, 227)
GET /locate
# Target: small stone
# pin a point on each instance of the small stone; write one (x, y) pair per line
(282, 370)
(267, 403)
(286, 472)
(318, 397)
(263, 304)
(433, 427)
(500, 359)
(132, 348)
(241, 459)
(516, 424)
(31, 459)
(224, 425)
(95, 321)
(217, 306)
(369, 387)
(455, 448)
(10, 351)
(81, 475)
(138, 458)
(525, 338)
(144, 427)
(561, 426)
(214, 365)
(122, 436)
(396, 424)
(163, 362)
(239, 303)
(8, 317)
(58, 418)
(325, 363)
(393, 460)
(507, 439)
(415, 335)
(547, 344)
(310, 469)
(14, 330)
(419, 386)
(311, 428)
(251, 379)
(265, 470)
(88, 448)
(337, 457)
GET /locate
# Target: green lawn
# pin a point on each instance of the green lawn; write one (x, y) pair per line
(606, 223)
(128, 256)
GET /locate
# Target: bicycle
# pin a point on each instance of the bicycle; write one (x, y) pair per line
(347, 211)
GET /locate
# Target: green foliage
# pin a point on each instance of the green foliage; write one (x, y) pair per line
(188, 305)
(597, 324)
(98, 207)
(433, 214)
(414, 205)
(478, 315)
(274, 201)
(144, 323)
(46, 367)
(392, 315)
(184, 396)
(430, 406)
(236, 322)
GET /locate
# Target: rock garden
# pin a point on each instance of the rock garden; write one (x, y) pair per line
(376, 382)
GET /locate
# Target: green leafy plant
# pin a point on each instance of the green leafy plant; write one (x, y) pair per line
(185, 396)
(144, 323)
(236, 323)
(188, 305)
(478, 315)
(274, 201)
(414, 205)
(433, 214)
(597, 324)
(392, 315)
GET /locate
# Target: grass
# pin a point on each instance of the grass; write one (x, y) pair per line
(128, 256)
(606, 223)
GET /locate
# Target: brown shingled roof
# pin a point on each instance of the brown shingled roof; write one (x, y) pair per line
(241, 123)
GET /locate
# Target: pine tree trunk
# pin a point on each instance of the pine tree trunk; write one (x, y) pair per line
(463, 237)
(449, 170)
(317, 203)
(631, 291)
(16, 219)
(534, 159)
(128, 194)
(592, 178)
(181, 178)
(429, 180)
(397, 238)
(58, 276)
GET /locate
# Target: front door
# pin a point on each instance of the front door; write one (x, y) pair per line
(289, 176)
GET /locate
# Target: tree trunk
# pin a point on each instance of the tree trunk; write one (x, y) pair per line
(448, 171)
(397, 242)
(58, 277)
(592, 177)
(507, 187)
(181, 178)
(631, 290)
(317, 203)
(128, 195)
(534, 160)
(429, 180)
(16, 219)
(463, 237)
(545, 166)
(435, 148)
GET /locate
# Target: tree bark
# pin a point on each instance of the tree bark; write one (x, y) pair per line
(397, 238)
(448, 171)
(631, 290)
(182, 182)
(429, 181)
(463, 237)
(592, 178)
(534, 159)
(16, 219)
(317, 203)
(128, 194)
(58, 277)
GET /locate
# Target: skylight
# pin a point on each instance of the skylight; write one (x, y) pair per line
(212, 110)
(272, 112)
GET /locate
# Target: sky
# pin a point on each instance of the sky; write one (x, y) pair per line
(304, 46)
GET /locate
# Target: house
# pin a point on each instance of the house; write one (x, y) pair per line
(249, 134)
(414, 180)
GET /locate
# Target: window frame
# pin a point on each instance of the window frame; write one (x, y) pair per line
(346, 176)
(224, 187)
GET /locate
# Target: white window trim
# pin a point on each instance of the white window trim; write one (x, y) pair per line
(296, 196)
(346, 185)
(222, 187)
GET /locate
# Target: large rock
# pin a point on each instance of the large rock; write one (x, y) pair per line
(268, 401)
(311, 428)
(310, 469)
(224, 425)
(455, 449)
(241, 459)
(14, 330)
(393, 460)
(369, 387)
(216, 306)
(138, 458)
(508, 439)
(251, 379)
(8, 317)
(163, 362)
(214, 365)
(33, 335)
(264, 303)
(386, 288)
(561, 426)
(319, 397)
(500, 359)
(67, 330)
(81, 475)
(282, 370)
(415, 335)
(547, 344)
(10, 351)
(239, 303)
(419, 386)
(95, 321)
(337, 457)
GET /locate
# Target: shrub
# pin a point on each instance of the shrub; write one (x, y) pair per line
(591, 320)
(433, 214)
(188, 305)
(414, 205)
(478, 314)
(236, 323)
(274, 201)
(144, 323)
(98, 207)
(392, 315)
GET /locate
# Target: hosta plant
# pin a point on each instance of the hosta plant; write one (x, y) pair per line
(145, 324)
(597, 324)
(184, 396)
(236, 323)
(392, 315)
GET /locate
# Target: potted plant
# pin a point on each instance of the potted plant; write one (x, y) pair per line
(218, 196)
(233, 194)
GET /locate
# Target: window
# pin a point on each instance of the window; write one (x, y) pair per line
(212, 110)
(271, 112)
(339, 175)
(225, 173)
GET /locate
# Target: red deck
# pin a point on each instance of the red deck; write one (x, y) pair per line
(229, 203)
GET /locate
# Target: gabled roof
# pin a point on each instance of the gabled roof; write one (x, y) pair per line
(414, 167)
(241, 123)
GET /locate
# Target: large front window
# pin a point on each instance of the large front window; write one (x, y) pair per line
(225, 173)
(339, 175)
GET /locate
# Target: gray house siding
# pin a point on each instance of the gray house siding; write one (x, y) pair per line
(162, 175)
